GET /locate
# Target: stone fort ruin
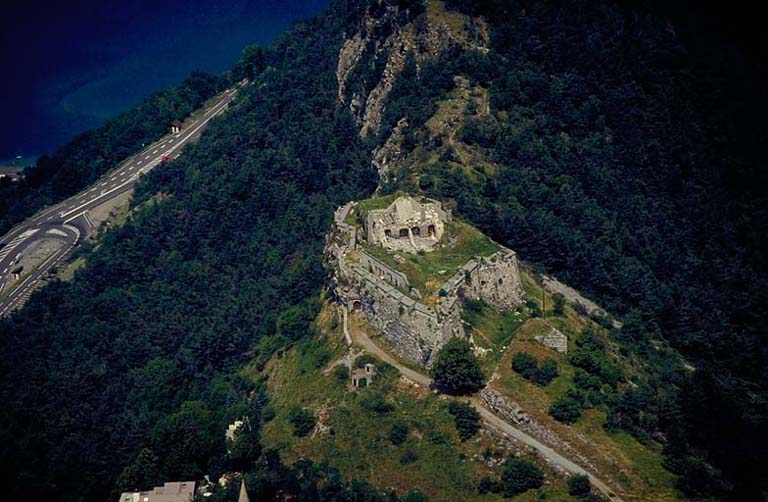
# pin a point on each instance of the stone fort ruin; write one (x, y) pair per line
(384, 296)
(408, 224)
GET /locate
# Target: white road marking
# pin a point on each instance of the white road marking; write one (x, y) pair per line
(26, 288)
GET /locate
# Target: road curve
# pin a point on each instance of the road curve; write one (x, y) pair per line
(68, 221)
(490, 418)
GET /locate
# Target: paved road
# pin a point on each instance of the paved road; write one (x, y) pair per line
(69, 222)
(490, 418)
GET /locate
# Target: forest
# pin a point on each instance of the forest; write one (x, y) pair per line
(628, 165)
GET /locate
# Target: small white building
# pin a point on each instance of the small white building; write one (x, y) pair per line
(174, 491)
(176, 126)
(363, 377)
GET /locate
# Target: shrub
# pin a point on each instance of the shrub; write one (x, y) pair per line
(584, 380)
(408, 457)
(565, 409)
(578, 485)
(528, 367)
(374, 402)
(303, 421)
(456, 370)
(488, 485)
(398, 433)
(466, 417)
(361, 361)
(268, 414)
(558, 301)
(534, 308)
(415, 496)
(547, 372)
(519, 475)
(341, 373)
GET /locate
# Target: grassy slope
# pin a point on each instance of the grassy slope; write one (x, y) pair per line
(637, 466)
(356, 440)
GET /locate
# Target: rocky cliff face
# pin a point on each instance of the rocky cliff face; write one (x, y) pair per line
(386, 36)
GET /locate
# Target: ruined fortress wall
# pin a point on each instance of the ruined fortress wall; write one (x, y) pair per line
(494, 279)
(416, 330)
(384, 271)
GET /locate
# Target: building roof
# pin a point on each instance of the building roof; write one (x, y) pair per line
(173, 491)
(177, 123)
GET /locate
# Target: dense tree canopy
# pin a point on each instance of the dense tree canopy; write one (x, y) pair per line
(456, 369)
(624, 161)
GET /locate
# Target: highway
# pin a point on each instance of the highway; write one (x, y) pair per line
(66, 224)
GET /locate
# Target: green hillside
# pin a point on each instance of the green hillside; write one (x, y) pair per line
(590, 138)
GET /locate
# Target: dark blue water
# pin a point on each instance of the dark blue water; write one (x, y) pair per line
(67, 66)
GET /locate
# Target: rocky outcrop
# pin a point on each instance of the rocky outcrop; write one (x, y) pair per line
(511, 412)
(388, 157)
(554, 340)
(423, 37)
(588, 306)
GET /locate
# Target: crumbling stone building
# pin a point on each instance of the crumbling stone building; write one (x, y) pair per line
(408, 224)
(384, 296)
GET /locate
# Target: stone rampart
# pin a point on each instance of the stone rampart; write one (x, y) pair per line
(494, 279)
(383, 294)
(384, 271)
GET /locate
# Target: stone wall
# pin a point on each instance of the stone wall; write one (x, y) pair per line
(384, 271)
(494, 279)
(554, 340)
(384, 297)
(416, 330)
(407, 224)
(510, 411)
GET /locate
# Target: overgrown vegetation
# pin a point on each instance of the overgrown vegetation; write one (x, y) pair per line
(466, 417)
(530, 368)
(456, 370)
(636, 183)
(148, 337)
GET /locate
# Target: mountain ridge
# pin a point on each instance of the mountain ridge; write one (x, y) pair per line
(552, 143)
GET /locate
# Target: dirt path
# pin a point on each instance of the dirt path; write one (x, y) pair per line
(363, 340)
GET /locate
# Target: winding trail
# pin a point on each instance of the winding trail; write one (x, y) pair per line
(362, 339)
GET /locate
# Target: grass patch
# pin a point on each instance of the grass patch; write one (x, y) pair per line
(67, 273)
(354, 429)
(657, 483)
(428, 272)
(360, 210)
